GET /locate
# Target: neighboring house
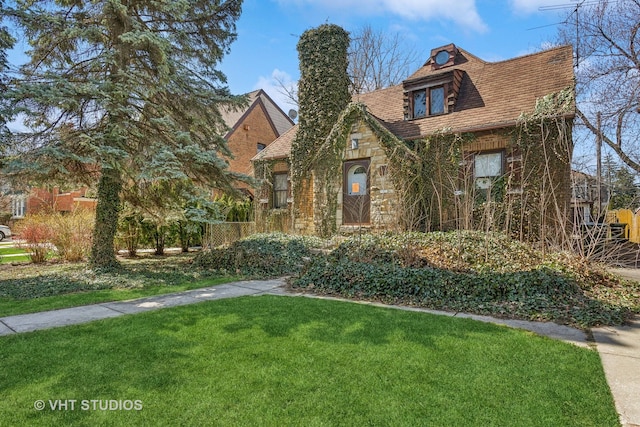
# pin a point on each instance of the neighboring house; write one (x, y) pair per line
(44, 200)
(253, 128)
(382, 139)
(584, 198)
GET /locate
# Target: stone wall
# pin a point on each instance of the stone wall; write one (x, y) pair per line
(382, 191)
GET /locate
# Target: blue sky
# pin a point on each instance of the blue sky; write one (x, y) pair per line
(493, 30)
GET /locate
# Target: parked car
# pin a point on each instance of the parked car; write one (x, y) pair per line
(4, 232)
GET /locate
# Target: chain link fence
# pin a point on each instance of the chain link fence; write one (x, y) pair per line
(224, 233)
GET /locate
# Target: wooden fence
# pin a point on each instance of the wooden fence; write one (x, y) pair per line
(630, 219)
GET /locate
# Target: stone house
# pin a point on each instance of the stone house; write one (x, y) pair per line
(475, 111)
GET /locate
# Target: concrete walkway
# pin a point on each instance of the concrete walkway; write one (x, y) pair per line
(76, 315)
(619, 347)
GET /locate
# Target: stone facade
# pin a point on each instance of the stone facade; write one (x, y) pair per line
(383, 198)
(484, 105)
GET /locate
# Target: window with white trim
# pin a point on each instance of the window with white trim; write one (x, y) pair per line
(487, 169)
(18, 206)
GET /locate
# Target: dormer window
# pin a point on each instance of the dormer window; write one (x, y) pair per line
(419, 103)
(435, 91)
(427, 102)
(436, 100)
(431, 95)
(441, 58)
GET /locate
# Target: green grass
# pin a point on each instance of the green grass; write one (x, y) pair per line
(10, 307)
(298, 361)
(14, 259)
(31, 288)
(13, 251)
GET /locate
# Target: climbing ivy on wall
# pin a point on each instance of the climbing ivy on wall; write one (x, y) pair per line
(429, 197)
(544, 140)
(328, 161)
(323, 92)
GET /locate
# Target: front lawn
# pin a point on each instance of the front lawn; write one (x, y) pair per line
(38, 287)
(298, 361)
(15, 255)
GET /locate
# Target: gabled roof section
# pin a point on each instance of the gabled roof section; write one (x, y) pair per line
(280, 122)
(337, 138)
(281, 147)
(278, 149)
(491, 95)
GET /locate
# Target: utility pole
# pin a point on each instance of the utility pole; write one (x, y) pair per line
(599, 165)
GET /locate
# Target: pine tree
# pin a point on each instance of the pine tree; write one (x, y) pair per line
(625, 192)
(121, 91)
(6, 42)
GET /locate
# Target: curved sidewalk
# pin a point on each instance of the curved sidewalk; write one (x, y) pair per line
(619, 347)
(87, 313)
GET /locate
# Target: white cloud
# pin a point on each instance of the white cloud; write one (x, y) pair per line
(545, 45)
(462, 12)
(275, 86)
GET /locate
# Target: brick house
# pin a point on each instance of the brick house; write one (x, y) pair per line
(48, 200)
(251, 129)
(382, 135)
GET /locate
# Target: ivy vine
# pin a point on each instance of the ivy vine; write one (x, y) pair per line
(323, 92)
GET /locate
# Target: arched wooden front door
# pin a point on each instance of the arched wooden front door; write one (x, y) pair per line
(355, 194)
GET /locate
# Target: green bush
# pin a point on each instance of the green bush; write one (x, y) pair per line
(458, 251)
(472, 272)
(72, 233)
(261, 255)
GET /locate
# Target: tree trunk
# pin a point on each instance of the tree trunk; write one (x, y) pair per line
(160, 239)
(102, 251)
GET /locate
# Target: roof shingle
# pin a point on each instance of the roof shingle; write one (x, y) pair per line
(492, 95)
(278, 149)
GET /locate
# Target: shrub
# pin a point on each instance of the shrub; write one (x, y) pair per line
(457, 251)
(472, 272)
(263, 255)
(36, 232)
(68, 234)
(71, 234)
(129, 232)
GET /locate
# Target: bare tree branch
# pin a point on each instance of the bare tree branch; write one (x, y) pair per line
(376, 60)
(608, 74)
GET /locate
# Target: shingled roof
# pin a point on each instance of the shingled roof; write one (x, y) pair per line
(492, 95)
(278, 149)
(279, 120)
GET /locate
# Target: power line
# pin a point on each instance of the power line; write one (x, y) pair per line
(576, 9)
(569, 5)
